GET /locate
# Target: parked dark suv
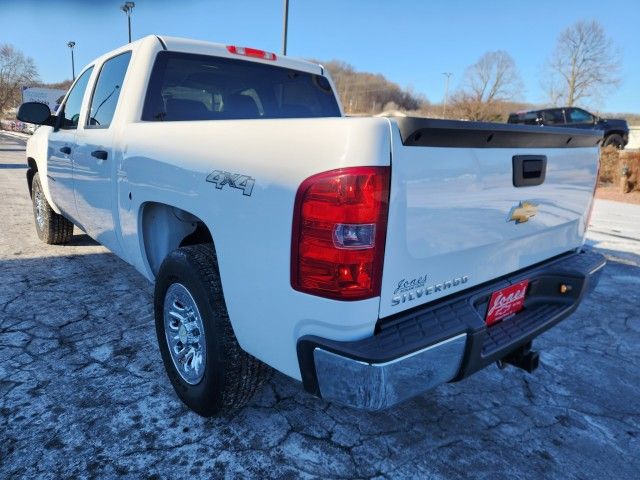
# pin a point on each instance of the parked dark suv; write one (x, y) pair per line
(616, 132)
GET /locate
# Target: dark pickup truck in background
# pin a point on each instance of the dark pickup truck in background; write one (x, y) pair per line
(616, 131)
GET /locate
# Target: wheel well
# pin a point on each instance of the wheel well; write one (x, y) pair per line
(614, 132)
(31, 172)
(165, 228)
(200, 235)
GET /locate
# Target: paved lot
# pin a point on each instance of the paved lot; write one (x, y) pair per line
(83, 391)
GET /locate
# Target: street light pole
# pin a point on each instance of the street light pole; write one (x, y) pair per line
(285, 21)
(446, 92)
(128, 8)
(72, 44)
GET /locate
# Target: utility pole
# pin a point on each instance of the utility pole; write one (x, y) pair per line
(72, 44)
(285, 21)
(446, 92)
(128, 8)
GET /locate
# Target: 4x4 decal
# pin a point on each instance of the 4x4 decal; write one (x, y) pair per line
(234, 180)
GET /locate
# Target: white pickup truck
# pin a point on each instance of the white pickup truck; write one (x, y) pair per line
(370, 258)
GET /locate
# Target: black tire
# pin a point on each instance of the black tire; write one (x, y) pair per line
(614, 140)
(231, 376)
(52, 227)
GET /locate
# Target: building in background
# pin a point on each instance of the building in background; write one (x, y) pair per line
(49, 96)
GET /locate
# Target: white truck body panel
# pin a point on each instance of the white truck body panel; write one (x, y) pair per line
(268, 315)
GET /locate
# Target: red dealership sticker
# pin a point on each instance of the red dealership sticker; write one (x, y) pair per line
(506, 302)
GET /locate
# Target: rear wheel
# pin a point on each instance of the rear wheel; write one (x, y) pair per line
(205, 364)
(52, 227)
(614, 140)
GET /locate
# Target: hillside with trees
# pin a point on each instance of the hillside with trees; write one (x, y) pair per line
(582, 69)
(370, 93)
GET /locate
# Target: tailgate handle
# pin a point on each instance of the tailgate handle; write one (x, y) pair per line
(529, 170)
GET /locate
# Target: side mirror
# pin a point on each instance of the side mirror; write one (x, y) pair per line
(35, 112)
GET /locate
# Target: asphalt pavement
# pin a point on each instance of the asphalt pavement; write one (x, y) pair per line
(83, 392)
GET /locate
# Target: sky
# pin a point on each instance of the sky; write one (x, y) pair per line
(411, 42)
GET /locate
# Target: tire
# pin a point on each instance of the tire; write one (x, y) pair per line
(614, 140)
(52, 227)
(221, 376)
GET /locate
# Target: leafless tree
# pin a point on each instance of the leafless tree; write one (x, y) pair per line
(16, 71)
(584, 64)
(493, 79)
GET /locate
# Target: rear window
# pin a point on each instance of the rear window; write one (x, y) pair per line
(201, 87)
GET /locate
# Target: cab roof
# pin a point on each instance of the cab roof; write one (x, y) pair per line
(178, 44)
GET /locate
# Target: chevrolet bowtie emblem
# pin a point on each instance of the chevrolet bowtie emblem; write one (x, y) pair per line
(523, 212)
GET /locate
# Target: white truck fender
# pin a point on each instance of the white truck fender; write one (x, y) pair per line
(37, 149)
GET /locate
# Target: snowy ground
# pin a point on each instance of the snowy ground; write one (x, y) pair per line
(83, 393)
(615, 227)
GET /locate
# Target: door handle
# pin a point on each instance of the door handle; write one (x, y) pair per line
(99, 154)
(529, 170)
(66, 150)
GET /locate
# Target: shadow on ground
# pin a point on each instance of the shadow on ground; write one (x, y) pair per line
(83, 393)
(9, 166)
(82, 240)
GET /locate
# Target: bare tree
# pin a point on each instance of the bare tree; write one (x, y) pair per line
(584, 64)
(493, 79)
(16, 71)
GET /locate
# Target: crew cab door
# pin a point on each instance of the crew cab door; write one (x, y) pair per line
(95, 155)
(62, 147)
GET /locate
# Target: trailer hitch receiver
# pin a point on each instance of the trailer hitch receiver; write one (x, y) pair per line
(523, 358)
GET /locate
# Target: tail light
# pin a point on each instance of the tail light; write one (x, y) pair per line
(339, 230)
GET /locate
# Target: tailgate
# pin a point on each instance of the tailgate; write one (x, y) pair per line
(471, 202)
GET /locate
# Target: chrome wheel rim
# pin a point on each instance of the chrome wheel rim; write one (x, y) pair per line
(184, 332)
(39, 204)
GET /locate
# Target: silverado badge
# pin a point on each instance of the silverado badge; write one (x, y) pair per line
(523, 212)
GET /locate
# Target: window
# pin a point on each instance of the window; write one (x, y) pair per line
(70, 112)
(553, 117)
(199, 87)
(107, 91)
(579, 116)
(528, 118)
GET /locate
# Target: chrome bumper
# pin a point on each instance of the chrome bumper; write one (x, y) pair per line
(376, 386)
(446, 341)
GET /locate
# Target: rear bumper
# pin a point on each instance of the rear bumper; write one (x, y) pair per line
(446, 341)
